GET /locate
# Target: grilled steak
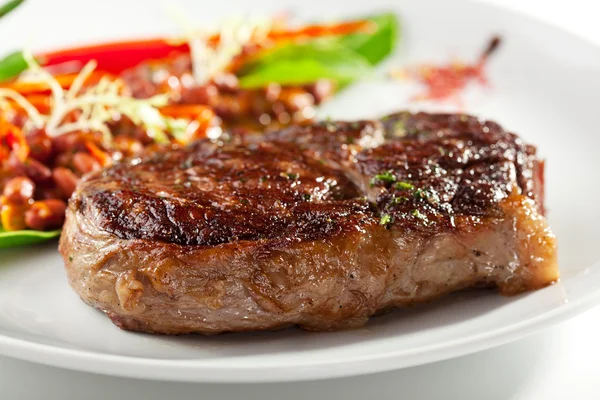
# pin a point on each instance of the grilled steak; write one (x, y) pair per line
(318, 226)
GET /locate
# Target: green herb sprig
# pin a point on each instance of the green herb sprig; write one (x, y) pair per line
(385, 219)
(10, 6)
(386, 177)
(343, 59)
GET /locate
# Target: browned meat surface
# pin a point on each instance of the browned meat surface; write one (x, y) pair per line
(318, 226)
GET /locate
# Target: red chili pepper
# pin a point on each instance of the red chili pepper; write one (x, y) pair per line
(115, 57)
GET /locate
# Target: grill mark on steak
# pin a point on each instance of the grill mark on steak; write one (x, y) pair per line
(210, 194)
(227, 192)
(320, 226)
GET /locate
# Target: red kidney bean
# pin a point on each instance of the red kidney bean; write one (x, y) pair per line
(206, 94)
(31, 168)
(40, 146)
(48, 193)
(85, 163)
(65, 179)
(65, 160)
(19, 191)
(321, 90)
(68, 142)
(128, 145)
(46, 214)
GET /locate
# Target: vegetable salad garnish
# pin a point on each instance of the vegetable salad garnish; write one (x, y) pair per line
(67, 113)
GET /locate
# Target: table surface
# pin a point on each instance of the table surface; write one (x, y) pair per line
(558, 363)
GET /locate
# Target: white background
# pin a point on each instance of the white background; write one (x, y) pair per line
(560, 363)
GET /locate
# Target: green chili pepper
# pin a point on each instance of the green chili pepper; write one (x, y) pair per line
(25, 237)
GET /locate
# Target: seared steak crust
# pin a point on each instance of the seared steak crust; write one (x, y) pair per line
(209, 194)
(460, 167)
(318, 226)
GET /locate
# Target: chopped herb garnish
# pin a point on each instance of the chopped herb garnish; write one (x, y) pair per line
(420, 193)
(433, 197)
(398, 200)
(263, 178)
(417, 214)
(399, 129)
(387, 177)
(385, 219)
(355, 125)
(291, 175)
(70, 258)
(307, 196)
(428, 195)
(330, 126)
(244, 202)
(404, 186)
(349, 140)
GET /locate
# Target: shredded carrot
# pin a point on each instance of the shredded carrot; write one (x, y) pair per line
(42, 102)
(101, 156)
(4, 152)
(201, 118)
(27, 88)
(14, 138)
(191, 111)
(18, 143)
(312, 31)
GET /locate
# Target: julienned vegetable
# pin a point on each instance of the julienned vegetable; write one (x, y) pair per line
(25, 237)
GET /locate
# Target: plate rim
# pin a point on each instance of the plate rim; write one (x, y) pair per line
(206, 372)
(189, 370)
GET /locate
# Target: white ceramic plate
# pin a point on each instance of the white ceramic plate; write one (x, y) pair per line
(546, 87)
